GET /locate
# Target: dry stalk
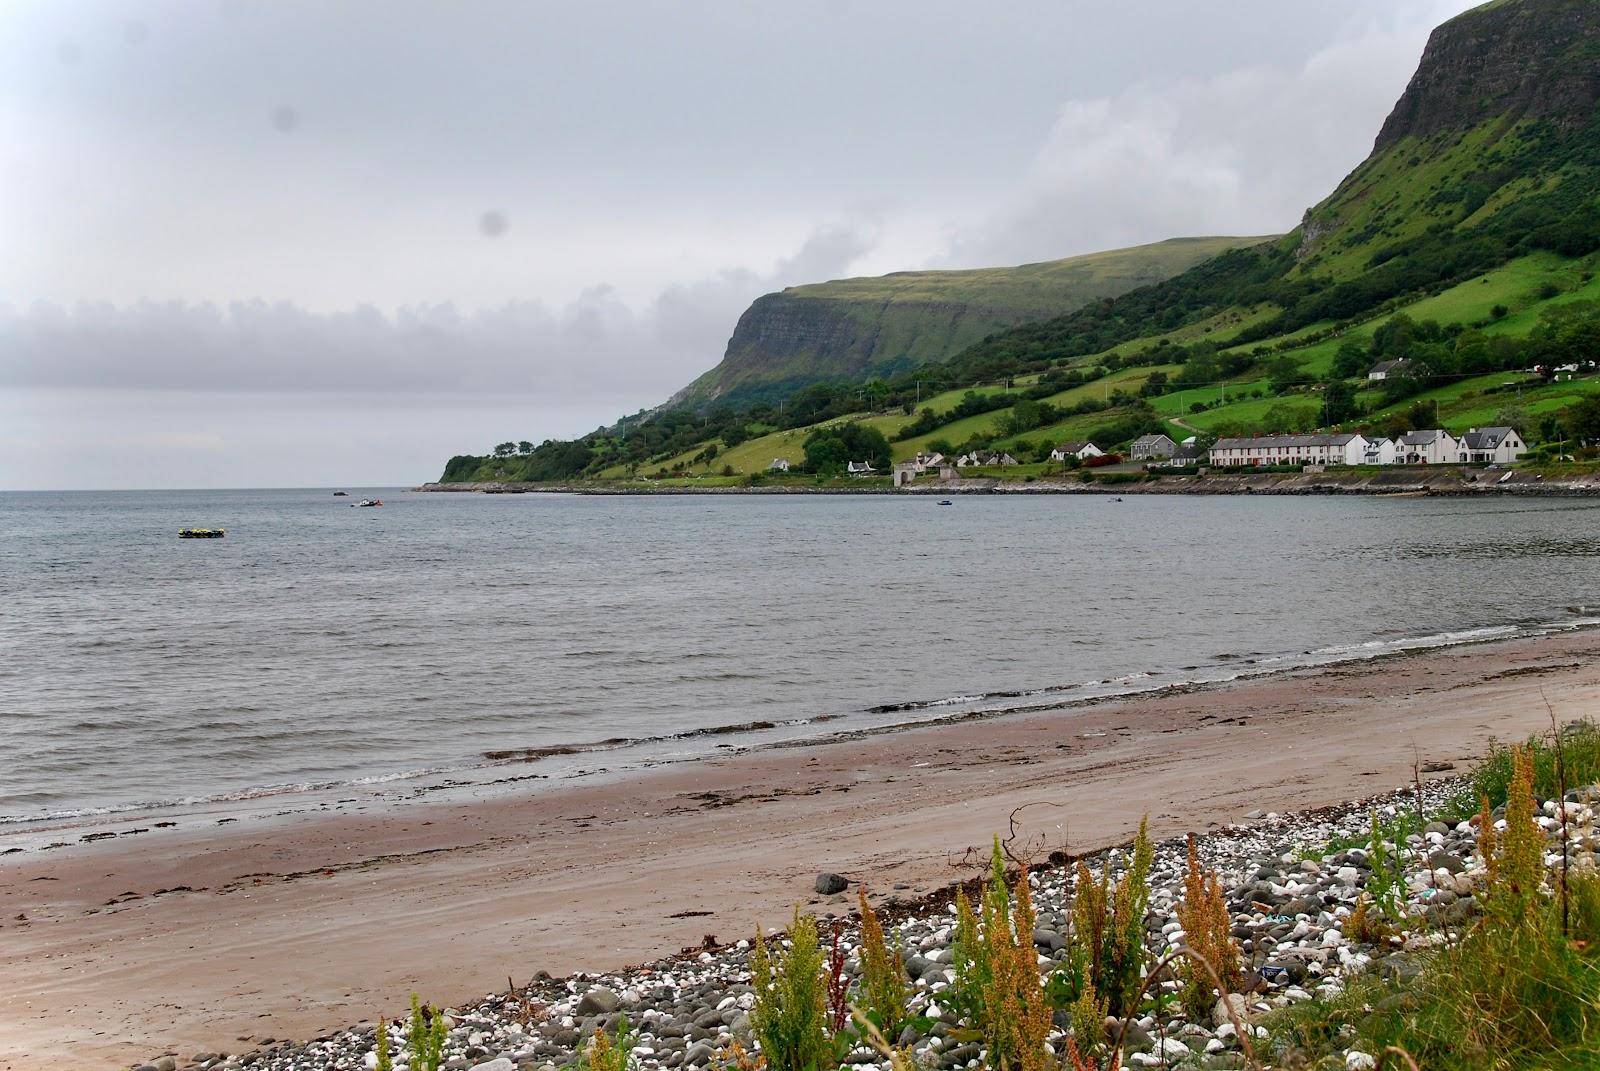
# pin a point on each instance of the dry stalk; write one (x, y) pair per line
(838, 984)
(1396, 1050)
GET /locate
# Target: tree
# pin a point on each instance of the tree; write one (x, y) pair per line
(505, 449)
(1513, 416)
(524, 447)
(1351, 361)
(1339, 402)
(1154, 386)
(826, 455)
(1583, 419)
(1283, 375)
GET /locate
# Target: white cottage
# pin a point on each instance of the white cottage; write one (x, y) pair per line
(1341, 449)
(1379, 451)
(1433, 446)
(1496, 446)
(1080, 449)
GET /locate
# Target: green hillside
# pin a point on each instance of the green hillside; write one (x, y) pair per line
(1468, 244)
(857, 329)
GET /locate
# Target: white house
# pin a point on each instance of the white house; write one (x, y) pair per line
(1384, 369)
(1152, 448)
(1433, 446)
(1081, 450)
(859, 468)
(1379, 451)
(923, 462)
(1341, 449)
(1497, 446)
(778, 465)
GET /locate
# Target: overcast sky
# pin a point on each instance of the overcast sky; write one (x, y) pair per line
(307, 243)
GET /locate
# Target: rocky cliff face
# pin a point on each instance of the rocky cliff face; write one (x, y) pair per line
(1519, 59)
(856, 329)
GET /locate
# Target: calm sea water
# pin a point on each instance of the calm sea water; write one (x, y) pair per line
(320, 648)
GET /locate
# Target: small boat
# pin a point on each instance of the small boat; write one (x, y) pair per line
(367, 502)
(341, 494)
(201, 533)
(946, 502)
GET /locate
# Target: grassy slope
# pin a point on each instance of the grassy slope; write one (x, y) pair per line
(911, 318)
(1516, 285)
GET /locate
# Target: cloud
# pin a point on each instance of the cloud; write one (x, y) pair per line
(1244, 151)
(594, 348)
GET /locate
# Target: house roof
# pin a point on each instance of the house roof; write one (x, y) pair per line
(1383, 367)
(1292, 442)
(1423, 438)
(1188, 450)
(1074, 446)
(1151, 440)
(1486, 438)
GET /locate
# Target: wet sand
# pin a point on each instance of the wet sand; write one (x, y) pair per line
(208, 937)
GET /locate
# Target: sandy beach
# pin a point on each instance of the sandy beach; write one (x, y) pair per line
(208, 937)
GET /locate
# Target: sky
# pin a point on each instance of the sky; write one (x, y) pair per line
(334, 242)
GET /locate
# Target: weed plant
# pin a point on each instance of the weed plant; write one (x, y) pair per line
(997, 984)
(884, 988)
(791, 1009)
(381, 1052)
(1580, 749)
(1207, 929)
(1106, 954)
(602, 1054)
(1514, 991)
(426, 1038)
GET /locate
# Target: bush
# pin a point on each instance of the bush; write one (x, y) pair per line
(1106, 953)
(1514, 991)
(1207, 929)
(790, 1012)
(602, 1055)
(427, 1036)
(884, 987)
(997, 986)
(1491, 778)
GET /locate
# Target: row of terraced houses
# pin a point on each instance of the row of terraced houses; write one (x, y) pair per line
(1434, 447)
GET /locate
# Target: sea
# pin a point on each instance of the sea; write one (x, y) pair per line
(463, 643)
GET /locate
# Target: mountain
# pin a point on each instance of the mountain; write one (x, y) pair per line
(859, 329)
(1468, 242)
(1492, 152)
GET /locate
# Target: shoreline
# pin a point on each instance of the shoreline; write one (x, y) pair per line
(247, 932)
(560, 765)
(1414, 481)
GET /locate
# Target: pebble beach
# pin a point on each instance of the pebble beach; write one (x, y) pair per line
(1289, 896)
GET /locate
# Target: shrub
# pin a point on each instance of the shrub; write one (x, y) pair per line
(1106, 956)
(997, 987)
(427, 1036)
(791, 1001)
(884, 987)
(381, 1049)
(602, 1055)
(1513, 991)
(1580, 746)
(1207, 932)
(1015, 1019)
